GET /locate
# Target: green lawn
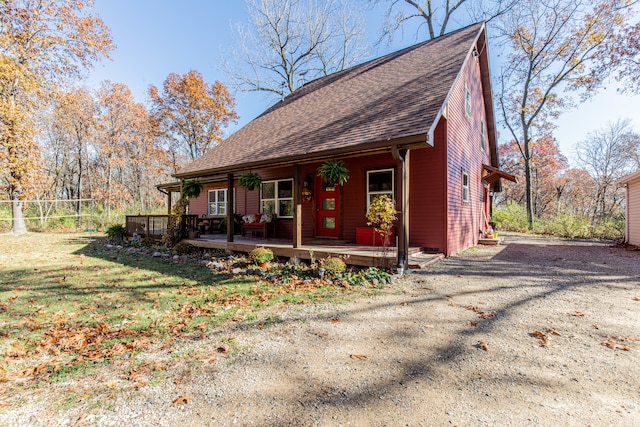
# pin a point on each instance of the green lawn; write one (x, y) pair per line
(69, 303)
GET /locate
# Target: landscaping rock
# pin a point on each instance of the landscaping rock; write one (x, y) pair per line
(156, 254)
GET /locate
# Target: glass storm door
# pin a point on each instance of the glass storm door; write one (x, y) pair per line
(327, 209)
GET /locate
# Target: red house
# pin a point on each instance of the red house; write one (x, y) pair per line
(417, 124)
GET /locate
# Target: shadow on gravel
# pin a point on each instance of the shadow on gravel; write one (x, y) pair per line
(537, 272)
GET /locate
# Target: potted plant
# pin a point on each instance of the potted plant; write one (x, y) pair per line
(381, 216)
(261, 256)
(333, 172)
(249, 180)
(193, 233)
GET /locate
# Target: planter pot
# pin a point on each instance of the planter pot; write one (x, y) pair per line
(368, 236)
(265, 264)
(193, 234)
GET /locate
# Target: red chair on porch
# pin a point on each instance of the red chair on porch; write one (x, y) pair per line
(259, 223)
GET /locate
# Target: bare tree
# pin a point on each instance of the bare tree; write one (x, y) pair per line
(288, 42)
(608, 154)
(438, 15)
(554, 45)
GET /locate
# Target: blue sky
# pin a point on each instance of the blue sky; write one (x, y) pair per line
(156, 37)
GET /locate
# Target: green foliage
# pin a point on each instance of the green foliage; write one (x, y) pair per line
(116, 231)
(333, 265)
(510, 217)
(575, 227)
(334, 172)
(370, 276)
(513, 217)
(249, 180)
(260, 255)
(191, 188)
(183, 248)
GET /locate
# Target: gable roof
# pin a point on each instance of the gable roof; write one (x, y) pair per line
(396, 98)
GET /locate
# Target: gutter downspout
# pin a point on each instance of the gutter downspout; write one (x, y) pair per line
(402, 157)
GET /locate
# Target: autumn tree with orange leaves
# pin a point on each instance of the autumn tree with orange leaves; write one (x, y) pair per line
(556, 46)
(44, 44)
(548, 166)
(191, 114)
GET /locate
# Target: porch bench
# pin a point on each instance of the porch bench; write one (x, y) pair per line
(259, 223)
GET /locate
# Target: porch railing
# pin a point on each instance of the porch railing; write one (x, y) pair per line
(155, 226)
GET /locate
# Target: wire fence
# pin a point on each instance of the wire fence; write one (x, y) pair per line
(77, 214)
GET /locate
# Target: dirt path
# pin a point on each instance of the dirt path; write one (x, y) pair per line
(451, 345)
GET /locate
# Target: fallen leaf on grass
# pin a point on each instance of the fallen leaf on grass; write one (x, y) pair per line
(483, 345)
(358, 356)
(578, 314)
(544, 338)
(553, 332)
(320, 334)
(615, 346)
(595, 326)
(636, 298)
(334, 320)
(181, 400)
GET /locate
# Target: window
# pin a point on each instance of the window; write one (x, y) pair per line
(217, 202)
(467, 102)
(465, 187)
(379, 183)
(482, 135)
(277, 197)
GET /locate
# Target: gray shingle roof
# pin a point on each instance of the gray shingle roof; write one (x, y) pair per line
(396, 96)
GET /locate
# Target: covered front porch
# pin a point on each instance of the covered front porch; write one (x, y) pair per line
(360, 255)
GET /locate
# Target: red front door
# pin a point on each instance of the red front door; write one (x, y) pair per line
(327, 209)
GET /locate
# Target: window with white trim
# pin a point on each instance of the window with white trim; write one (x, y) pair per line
(217, 202)
(277, 197)
(467, 102)
(482, 135)
(379, 183)
(465, 187)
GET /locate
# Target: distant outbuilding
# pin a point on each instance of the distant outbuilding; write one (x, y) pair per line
(632, 184)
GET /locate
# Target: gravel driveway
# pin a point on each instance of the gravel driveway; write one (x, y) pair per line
(536, 331)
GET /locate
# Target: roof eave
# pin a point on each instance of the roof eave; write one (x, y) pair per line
(412, 141)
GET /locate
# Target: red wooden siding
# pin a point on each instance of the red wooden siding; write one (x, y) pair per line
(427, 228)
(464, 152)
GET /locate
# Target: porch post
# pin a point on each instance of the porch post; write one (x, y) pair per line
(297, 207)
(231, 224)
(402, 157)
(169, 202)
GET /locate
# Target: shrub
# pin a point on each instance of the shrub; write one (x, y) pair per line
(510, 217)
(183, 248)
(260, 255)
(116, 233)
(333, 265)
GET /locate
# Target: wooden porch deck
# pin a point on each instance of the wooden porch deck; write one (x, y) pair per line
(356, 254)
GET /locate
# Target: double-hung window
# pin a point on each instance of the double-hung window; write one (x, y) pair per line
(482, 135)
(465, 187)
(217, 202)
(277, 197)
(380, 183)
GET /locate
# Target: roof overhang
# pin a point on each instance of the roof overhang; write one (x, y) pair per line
(492, 176)
(625, 180)
(414, 141)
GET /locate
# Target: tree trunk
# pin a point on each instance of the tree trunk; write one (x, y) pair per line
(18, 225)
(527, 176)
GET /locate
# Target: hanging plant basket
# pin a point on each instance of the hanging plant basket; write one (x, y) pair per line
(249, 180)
(334, 172)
